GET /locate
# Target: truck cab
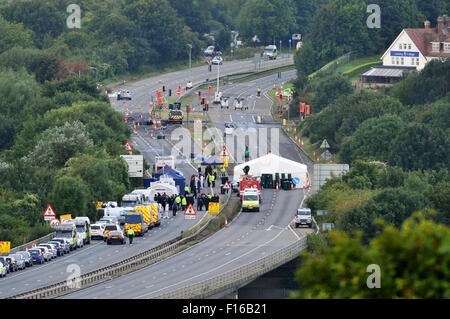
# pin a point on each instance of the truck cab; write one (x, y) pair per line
(250, 200)
(303, 217)
(249, 182)
(270, 52)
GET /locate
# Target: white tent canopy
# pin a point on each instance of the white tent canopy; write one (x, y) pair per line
(271, 164)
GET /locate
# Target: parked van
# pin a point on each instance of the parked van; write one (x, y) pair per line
(68, 230)
(83, 225)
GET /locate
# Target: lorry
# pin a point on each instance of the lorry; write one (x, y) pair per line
(249, 182)
(303, 217)
(135, 221)
(270, 52)
(83, 225)
(69, 231)
(250, 200)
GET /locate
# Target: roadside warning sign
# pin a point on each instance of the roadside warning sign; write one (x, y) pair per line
(190, 212)
(49, 213)
(214, 208)
(225, 151)
(5, 247)
(227, 185)
(128, 147)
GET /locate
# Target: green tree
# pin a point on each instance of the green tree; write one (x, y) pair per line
(70, 195)
(14, 35)
(373, 139)
(59, 144)
(419, 147)
(413, 261)
(270, 20)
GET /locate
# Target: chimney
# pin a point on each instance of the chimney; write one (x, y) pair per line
(440, 25)
(427, 24)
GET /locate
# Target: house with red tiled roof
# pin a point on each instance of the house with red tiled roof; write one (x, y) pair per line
(410, 52)
(417, 47)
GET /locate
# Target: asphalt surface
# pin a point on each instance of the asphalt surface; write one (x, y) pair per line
(251, 236)
(98, 254)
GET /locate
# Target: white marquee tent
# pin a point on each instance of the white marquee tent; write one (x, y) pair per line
(271, 164)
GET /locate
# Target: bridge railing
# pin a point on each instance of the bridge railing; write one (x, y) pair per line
(238, 276)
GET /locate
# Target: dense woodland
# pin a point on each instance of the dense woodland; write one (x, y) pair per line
(60, 140)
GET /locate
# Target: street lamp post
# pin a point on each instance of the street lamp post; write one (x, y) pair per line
(190, 64)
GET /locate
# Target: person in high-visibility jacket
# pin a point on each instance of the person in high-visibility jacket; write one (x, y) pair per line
(259, 91)
(212, 180)
(186, 189)
(184, 202)
(130, 234)
(223, 171)
(178, 200)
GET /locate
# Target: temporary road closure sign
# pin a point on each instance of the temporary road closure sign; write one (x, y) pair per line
(5, 247)
(49, 213)
(65, 218)
(54, 222)
(214, 208)
(190, 212)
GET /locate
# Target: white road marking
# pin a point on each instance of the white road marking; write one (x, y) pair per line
(213, 269)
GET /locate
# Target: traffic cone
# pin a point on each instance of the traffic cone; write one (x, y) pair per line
(226, 223)
(303, 145)
(276, 186)
(292, 186)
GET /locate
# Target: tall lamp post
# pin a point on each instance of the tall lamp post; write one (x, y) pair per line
(190, 64)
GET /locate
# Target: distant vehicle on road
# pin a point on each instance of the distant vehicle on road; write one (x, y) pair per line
(303, 217)
(97, 230)
(229, 128)
(124, 95)
(250, 200)
(20, 261)
(109, 228)
(27, 257)
(270, 52)
(3, 270)
(51, 248)
(5, 263)
(47, 255)
(115, 236)
(217, 60)
(36, 256)
(239, 104)
(225, 102)
(210, 51)
(175, 117)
